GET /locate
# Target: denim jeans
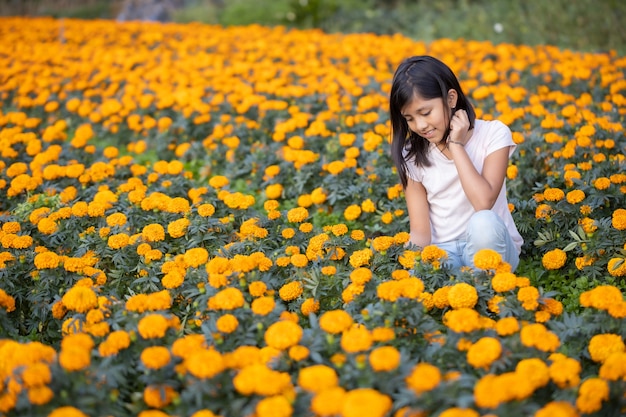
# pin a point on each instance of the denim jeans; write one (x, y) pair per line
(485, 230)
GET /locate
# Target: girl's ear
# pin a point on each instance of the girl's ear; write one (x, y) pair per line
(452, 97)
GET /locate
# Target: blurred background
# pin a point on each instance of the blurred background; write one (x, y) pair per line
(584, 25)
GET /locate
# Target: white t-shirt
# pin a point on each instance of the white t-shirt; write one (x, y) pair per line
(450, 209)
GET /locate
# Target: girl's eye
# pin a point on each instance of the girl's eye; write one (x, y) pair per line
(426, 114)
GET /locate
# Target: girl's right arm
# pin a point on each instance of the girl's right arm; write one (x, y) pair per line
(419, 219)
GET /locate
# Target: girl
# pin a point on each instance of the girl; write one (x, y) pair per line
(452, 166)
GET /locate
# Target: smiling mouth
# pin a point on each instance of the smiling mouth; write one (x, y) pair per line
(428, 133)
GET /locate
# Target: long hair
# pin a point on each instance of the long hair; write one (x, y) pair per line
(428, 78)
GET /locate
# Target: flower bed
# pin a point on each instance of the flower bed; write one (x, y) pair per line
(200, 221)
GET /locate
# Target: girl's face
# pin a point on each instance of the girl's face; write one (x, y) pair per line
(429, 118)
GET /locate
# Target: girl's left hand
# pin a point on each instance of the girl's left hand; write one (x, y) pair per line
(459, 126)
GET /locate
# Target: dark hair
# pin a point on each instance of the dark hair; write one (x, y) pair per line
(428, 78)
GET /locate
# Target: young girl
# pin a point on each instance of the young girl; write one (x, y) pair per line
(452, 166)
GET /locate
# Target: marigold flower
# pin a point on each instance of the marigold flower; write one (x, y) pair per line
(617, 267)
(80, 299)
(153, 326)
(614, 367)
(328, 402)
(158, 396)
(462, 295)
(74, 358)
(291, 291)
(365, 402)
(384, 359)
(352, 212)
(565, 372)
(153, 233)
(114, 342)
(262, 306)
(602, 183)
(297, 215)
(227, 323)
(227, 299)
(317, 378)
(538, 336)
(257, 288)
(554, 259)
(67, 411)
(360, 258)
(484, 352)
(335, 321)
(118, 241)
(258, 379)
(310, 306)
(356, 339)
(503, 282)
(601, 346)
(591, 393)
(507, 326)
(553, 194)
(298, 352)
(283, 334)
(275, 406)
(423, 377)
(575, 196)
(462, 320)
(433, 253)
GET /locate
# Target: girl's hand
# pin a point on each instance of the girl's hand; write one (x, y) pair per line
(459, 126)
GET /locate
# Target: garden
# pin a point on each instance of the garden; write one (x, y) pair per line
(200, 220)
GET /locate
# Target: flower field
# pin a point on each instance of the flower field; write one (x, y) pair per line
(204, 221)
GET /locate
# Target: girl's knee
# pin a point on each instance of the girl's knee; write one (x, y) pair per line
(485, 227)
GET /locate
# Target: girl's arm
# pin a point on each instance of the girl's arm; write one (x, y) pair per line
(418, 208)
(481, 189)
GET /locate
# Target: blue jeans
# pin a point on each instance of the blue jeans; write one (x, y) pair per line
(485, 230)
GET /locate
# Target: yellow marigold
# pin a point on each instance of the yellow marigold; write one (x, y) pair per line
(602, 183)
(116, 219)
(204, 363)
(317, 378)
(118, 241)
(384, 359)
(361, 276)
(153, 326)
(158, 396)
(291, 291)
(503, 282)
(484, 352)
(356, 339)
(227, 299)
(440, 297)
(601, 297)
(543, 211)
(47, 260)
(538, 336)
(462, 320)
(459, 412)
(206, 210)
(601, 346)
(258, 379)
(365, 402)
(618, 219)
(298, 352)
(553, 194)
(74, 357)
(462, 295)
(591, 393)
(257, 288)
(328, 402)
(227, 323)
(529, 297)
(382, 243)
(487, 259)
(283, 334)
(352, 212)
(360, 257)
(297, 215)
(153, 233)
(617, 267)
(274, 406)
(614, 367)
(67, 411)
(424, 377)
(262, 306)
(554, 259)
(80, 299)
(433, 253)
(533, 371)
(178, 228)
(335, 321)
(507, 326)
(575, 196)
(557, 408)
(565, 372)
(299, 260)
(310, 306)
(114, 342)
(218, 181)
